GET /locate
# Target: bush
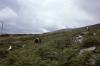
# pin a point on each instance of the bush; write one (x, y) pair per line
(90, 41)
(98, 59)
(3, 53)
(80, 60)
(41, 55)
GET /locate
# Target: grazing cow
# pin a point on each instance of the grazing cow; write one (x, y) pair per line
(10, 48)
(37, 41)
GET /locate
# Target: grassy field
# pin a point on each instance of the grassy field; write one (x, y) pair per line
(56, 49)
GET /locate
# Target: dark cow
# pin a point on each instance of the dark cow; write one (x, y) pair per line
(37, 41)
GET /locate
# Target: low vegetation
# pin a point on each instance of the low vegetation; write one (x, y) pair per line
(56, 49)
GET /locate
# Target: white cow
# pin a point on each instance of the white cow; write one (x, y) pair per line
(10, 48)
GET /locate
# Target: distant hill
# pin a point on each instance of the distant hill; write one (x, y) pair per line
(96, 26)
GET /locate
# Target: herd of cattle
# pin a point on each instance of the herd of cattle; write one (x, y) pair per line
(36, 41)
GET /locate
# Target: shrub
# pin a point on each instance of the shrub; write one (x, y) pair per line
(98, 59)
(80, 60)
(3, 53)
(90, 41)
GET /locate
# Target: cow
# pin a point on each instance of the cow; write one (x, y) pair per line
(10, 48)
(37, 41)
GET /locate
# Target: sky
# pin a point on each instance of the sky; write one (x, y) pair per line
(39, 16)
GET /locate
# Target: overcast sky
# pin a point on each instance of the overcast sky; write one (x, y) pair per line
(39, 16)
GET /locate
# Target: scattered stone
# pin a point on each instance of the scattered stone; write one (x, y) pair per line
(87, 49)
(79, 39)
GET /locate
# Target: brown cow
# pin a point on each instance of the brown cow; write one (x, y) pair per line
(37, 41)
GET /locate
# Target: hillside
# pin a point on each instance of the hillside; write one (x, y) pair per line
(57, 48)
(96, 26)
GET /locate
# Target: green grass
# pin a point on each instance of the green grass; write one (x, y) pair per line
(56, 49)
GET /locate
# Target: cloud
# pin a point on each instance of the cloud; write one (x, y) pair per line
(39, 16)
(8, 17)
(7, 13)
(13, 4)
(91, 7)
(52, 13)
